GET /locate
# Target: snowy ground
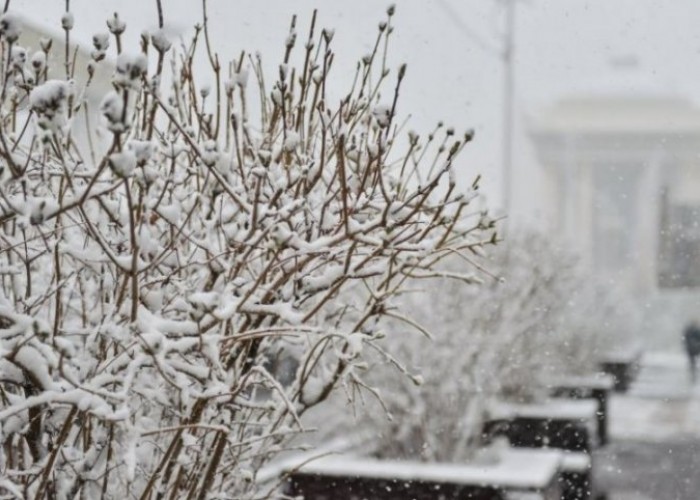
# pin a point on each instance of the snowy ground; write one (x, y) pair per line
(662, 404)
(655, 429)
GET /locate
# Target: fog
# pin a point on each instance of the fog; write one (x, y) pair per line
(186, 308)
(454, 75)
(454, 55)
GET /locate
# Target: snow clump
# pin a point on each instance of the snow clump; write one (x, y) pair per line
(67, 21)
(38, 61)
(123, 163)
(116, 26)
(143, 150)
(50, 103)
(112, 109)
(160, 41)
(100, 42)
(18, 57)
(10, 27)
(130, 69)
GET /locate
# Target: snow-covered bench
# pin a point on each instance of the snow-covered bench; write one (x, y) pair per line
(566, 424)
(556, 423)
(516, 473)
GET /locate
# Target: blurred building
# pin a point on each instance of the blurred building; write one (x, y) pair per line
(622, 183)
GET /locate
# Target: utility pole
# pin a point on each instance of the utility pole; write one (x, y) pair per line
(506, 54)
(508, 101)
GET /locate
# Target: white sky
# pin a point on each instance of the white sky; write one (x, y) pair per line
(562, 46)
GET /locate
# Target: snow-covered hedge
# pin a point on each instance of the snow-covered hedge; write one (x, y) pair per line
(169, 295)
(539, 318)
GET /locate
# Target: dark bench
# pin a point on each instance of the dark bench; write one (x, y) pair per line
(322, 487)
(623, 366)
(595, 386)
(576, 477)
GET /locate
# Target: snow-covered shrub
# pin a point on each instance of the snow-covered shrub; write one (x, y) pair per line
(540, 317)
(169, 297)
